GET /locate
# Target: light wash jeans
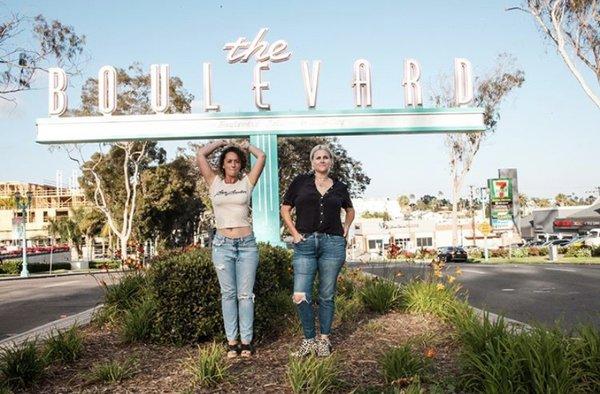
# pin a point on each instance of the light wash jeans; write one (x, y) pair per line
(235, 260)
(325, 254)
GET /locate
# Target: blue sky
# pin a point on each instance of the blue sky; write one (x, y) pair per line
(548, 130)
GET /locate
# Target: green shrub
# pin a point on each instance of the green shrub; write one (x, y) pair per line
(13, 267)
(578, 251)
(348, 309)
(64, 346)
(21, 365)
(380, 295)
(596, 251)
(586, 350)
(128, 292)
(496, 359)
(475, 254)
(113, 371)
(431, 297)
(401, 365)
(188, 298)
(209, 366)
(138, 322)
(520, 252)
(536, 251)
(313, 375)
(105, 264)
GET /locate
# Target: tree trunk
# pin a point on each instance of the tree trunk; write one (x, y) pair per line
(123, 241)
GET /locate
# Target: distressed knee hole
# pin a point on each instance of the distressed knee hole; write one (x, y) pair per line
(245, 296)
(299, 297)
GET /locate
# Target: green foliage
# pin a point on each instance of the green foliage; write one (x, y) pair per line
(586, 350)
(169, 207)
(431, 297)
(113, 371)
(32, 44)
(293, 160)
(105, 264)
(13, 267)
(520, 252)
(348, 309)
(401, 364)
(128, 292)
(64, 346)
(313, 375)
(138, 321)
(376, 215)
(188, 301)
(209, 366)
(578, 251)
(188, 297)
(596, 251)
(495, 358)
(380, 295)
(21, 365)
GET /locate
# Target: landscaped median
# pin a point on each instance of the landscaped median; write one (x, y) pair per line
(160, 331)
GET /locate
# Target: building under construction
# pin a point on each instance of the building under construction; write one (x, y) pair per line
(48, 202)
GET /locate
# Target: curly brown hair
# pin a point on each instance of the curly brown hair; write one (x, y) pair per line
(240, 154)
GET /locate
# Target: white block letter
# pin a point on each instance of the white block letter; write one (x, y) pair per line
(57, 87)
(412, 87)
(107, 90)
(311, 84)
(259, 86)
(207, 85)
(463, 82)
(362, 83)
(159, 87)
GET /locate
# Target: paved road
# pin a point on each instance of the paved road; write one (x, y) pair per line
(29, 303)
(542, 293)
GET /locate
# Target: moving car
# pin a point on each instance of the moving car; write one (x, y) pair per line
(452, 253)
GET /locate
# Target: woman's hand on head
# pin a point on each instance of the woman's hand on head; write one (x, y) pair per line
(245, 145)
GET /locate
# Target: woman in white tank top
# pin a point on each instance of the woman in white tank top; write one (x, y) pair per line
(234, 250)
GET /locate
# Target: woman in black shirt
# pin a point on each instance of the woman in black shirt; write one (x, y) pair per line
(319, 244)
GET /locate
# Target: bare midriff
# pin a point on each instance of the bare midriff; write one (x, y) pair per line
(235, 232)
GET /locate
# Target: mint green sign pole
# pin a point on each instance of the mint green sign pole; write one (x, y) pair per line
(265, 197)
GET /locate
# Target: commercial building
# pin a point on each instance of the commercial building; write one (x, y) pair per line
(48, 202)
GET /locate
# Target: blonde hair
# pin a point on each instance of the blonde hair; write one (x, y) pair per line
(322, 147)
(326, 148)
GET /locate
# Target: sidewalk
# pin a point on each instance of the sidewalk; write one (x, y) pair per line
(67, 273)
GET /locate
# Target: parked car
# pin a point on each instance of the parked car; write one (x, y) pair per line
(452, 253)
(560, 242)
(593, 239)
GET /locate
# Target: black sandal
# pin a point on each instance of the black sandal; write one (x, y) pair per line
(233, 350)
(246, 350)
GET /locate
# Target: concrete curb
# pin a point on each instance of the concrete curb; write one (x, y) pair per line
(517, 325)
(47, 330)
(42, 276)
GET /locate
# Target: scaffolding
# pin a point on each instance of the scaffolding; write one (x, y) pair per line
(43, 196)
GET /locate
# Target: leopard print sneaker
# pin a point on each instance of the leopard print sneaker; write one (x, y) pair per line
(307, 347)
(323, 347)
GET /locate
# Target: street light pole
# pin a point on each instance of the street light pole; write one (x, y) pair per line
(23, 205)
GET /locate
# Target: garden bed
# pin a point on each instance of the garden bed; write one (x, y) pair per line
(160, 368)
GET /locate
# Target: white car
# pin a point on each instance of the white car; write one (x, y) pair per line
(593, 239)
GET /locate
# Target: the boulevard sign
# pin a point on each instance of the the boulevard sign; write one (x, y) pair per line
(188, 126)
(263, 126)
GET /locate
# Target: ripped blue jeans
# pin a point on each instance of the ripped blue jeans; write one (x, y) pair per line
(325, 254)
(236, 260)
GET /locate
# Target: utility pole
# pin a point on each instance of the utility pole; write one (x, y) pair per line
(472, 209)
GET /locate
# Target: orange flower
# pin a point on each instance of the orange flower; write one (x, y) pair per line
(430, 352)
(440, 286)
(451, 279)
(399, 273)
